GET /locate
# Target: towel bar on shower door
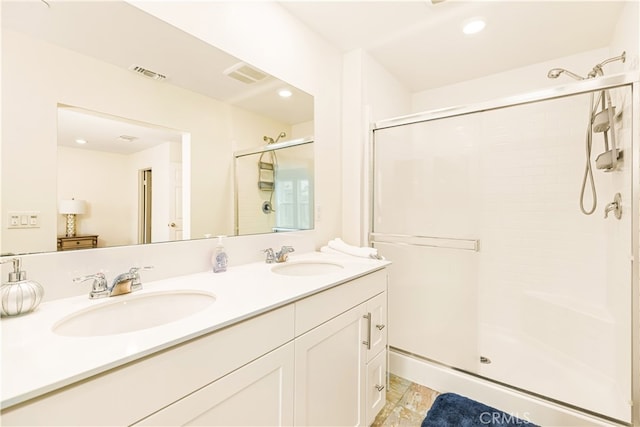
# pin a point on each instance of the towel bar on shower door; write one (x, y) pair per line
(428, 241)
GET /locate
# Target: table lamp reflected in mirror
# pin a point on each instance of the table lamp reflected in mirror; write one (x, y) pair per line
(71, 208)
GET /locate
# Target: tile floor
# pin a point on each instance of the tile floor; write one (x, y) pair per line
(407, 404)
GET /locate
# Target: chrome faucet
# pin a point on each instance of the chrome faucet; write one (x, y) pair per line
(283, 254)
(123, 283)
(280, 256)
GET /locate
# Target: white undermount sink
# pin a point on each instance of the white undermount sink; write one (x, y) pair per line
(306, 268)
(131, 312)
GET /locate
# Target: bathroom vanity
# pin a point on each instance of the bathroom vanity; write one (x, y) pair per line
(300, 343)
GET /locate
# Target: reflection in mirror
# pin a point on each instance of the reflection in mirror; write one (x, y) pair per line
(142, 164)
(71, 54)
(274, 187)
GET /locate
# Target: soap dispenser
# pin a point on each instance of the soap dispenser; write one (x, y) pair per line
(19, 295)
(220, 258)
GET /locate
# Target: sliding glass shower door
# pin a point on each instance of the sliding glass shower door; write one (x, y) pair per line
(496, 271)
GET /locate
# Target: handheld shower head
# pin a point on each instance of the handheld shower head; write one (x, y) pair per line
(554, 73)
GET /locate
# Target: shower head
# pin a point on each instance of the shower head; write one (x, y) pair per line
(554, 73)
(282, 135)
(270, 140)
(597, 70)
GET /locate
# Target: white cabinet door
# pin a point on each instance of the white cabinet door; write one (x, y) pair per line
(377, 307)
(376, 385)
(258, 394)
(330, 372)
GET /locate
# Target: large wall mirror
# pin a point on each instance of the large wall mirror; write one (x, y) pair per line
(131, 122)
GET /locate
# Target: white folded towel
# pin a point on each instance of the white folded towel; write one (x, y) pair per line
(363, 252)
(328, 250)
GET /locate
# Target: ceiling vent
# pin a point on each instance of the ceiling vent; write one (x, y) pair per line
(244, 73)
(126, 138)
(147, 73)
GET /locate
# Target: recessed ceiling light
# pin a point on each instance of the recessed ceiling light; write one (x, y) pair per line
(81, 141)
(474, 26)
(285, 93)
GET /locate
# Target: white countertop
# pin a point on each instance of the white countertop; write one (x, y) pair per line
(35, 360)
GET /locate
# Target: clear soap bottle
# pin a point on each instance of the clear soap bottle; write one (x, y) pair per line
(219, 258)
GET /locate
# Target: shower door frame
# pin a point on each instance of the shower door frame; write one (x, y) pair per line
(630, 79)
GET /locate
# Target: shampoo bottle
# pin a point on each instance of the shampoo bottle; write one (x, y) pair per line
(220, 258)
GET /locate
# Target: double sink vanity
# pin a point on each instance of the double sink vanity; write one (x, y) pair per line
(295, 343)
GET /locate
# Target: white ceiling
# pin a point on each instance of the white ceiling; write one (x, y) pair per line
(422, 44)
(418, 42)
(105, 133)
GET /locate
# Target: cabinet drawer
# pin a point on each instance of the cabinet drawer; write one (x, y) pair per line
(154, 382)
(258, 394)
(316, 309)
(377, 309)
(79, 242)
(376, 389)
(76, 244)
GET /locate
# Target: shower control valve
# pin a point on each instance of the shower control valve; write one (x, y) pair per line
(615, 207)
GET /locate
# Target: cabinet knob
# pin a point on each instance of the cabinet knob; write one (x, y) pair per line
(172, 224)
(379, 387)
(380, 327)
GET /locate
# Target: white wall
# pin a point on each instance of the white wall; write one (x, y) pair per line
(370, 93)
(108, 182)
(159, 160)
(266, 36)
(85, 174)
(507, 83)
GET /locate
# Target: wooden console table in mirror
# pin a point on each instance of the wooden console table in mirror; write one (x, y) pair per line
(77, 242)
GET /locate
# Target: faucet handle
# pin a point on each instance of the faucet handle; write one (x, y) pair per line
(99, 287)
(615, 207)
(134, 271)
(271, 256)
(136, 284)
(284, 253)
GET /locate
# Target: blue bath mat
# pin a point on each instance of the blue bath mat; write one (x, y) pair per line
(452, 410)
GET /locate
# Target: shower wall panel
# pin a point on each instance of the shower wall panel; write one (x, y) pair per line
(546, 298)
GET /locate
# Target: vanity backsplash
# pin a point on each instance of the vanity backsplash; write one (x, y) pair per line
(55, 271)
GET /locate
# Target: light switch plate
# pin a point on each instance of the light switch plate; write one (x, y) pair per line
(23, 219)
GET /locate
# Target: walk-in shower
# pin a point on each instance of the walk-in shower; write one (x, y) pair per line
(273, 186)
(500, 289)
(598, 122)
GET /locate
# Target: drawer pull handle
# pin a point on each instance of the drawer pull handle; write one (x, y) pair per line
(368, 341)
(380, 327)
(379, 387)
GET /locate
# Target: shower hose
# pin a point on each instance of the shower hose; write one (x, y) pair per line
(588, 171)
